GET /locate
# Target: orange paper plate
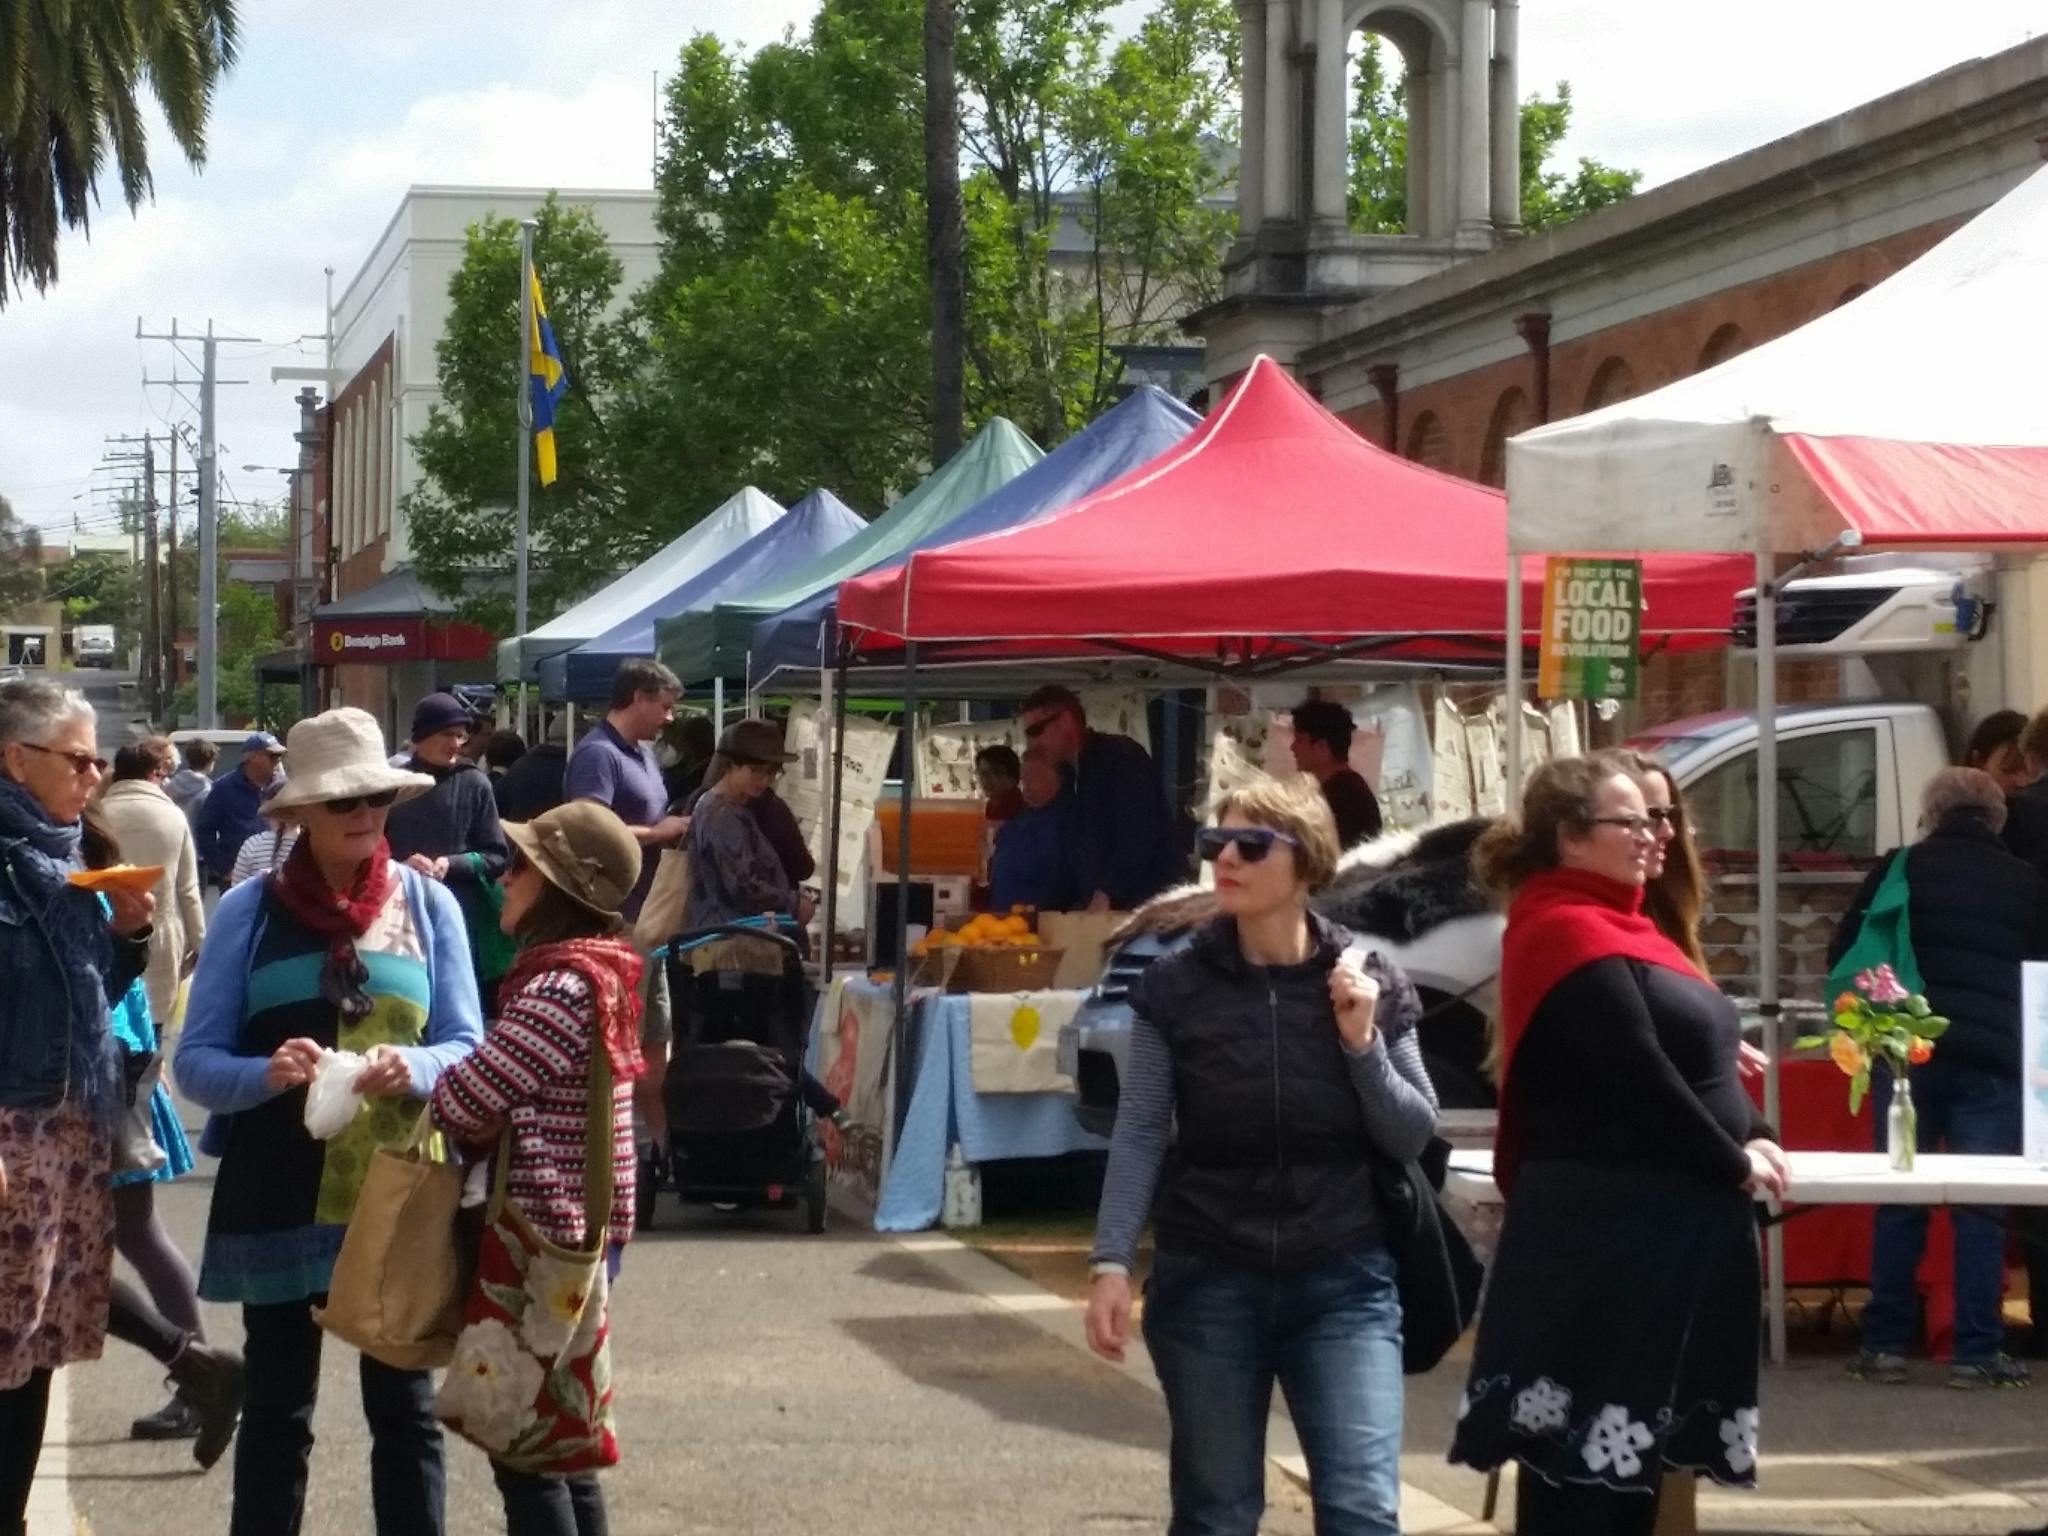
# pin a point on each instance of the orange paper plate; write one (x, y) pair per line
(136, 879)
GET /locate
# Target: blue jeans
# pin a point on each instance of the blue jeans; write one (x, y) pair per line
(1961, 1109)
(550, 1506)
(1221, 1335)
(407, 1478)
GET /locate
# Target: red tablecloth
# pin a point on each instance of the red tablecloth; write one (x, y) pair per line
(1829, 1245)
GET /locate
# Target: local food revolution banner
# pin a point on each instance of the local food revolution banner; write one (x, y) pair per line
(1590, 628)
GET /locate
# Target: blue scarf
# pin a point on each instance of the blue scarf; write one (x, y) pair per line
(42, 853)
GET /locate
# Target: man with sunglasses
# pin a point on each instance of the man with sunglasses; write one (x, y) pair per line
(232, 812)
(1124, 849)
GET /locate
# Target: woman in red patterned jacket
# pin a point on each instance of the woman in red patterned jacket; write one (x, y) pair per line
(574, 987)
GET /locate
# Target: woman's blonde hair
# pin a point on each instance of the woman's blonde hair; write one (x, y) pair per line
(1676, 898)
(1558, 798)
(1295, 806)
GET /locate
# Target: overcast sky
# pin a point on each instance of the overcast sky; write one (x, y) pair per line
(335, 110)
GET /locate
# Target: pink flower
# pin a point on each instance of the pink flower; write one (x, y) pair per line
(1881, 985)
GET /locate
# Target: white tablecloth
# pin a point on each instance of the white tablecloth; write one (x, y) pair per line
(1847, 1178)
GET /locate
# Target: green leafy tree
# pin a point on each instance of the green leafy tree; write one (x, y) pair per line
(249, 628)
(21, 562)
(1378, 201)
(460, 514)
(98, 587)
(73, 82)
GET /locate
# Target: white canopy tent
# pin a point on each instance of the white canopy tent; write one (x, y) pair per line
(1814, 443)
(721, 531)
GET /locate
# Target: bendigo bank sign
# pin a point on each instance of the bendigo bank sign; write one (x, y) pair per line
(377, 642)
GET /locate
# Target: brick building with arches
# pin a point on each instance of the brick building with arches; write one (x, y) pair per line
(1443, 342)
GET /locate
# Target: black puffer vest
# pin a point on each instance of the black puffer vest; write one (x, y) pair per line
(1270, 1165)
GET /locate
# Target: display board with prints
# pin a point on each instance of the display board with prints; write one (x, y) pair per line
(807, 787)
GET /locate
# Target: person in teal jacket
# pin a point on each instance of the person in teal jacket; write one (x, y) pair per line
(342, 948)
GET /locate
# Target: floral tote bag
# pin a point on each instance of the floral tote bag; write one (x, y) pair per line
(531, 1380)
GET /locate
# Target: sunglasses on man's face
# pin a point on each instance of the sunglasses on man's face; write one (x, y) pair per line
(347, 804)
(1037, 728)
(1252, 843)
(81, 763)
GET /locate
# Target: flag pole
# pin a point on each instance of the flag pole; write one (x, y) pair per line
(519, 621)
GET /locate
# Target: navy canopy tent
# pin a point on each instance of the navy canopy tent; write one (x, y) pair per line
(818, 524)
(1135, 431)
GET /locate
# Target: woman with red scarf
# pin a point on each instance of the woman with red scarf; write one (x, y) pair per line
(574, 989)
(1619, 1332)
(342, 949)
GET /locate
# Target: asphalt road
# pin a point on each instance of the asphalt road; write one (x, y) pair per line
(766, 1382)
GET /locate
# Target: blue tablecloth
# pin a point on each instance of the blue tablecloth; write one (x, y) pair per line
(945, 1109)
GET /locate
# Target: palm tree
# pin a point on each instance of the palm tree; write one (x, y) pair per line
(944, 261)
(71, 75)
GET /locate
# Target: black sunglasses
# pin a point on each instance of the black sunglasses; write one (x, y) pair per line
(1666, 815)
(344, 981)
(348, 803)
(1252, 843)
(1037, 727)
(81, 763)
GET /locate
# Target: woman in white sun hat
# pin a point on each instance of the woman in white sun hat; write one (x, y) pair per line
(342, 948)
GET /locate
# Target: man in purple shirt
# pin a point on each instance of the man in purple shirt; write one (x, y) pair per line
(615, 765)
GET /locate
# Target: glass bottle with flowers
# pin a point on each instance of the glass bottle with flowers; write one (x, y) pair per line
(1879, 1020)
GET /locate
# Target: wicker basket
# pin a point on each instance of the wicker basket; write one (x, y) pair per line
(1002, 969)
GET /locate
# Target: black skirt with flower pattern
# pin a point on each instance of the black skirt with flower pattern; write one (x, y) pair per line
(1619, 1333)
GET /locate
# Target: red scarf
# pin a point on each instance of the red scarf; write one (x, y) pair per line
(340, 917)
(611, 968)
(1558, 921)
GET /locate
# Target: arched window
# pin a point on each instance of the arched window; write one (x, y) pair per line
(1722, 345)
(1613, 380)
(1426, 440)
(1512, 413)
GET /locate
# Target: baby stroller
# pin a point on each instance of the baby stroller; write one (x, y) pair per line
(740, 1133)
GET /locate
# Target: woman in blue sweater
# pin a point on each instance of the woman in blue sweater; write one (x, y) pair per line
(341, 949)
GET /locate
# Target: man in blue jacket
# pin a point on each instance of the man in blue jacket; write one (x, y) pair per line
(232, 812)
(1124, 848)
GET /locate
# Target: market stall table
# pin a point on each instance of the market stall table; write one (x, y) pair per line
(943, 1109)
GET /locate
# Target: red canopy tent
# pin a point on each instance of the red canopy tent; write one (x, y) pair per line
(1273, 533)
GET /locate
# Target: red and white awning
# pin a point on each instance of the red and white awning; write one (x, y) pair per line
(1917, 414)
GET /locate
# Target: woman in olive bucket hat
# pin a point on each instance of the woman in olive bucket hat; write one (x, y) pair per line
(574, 989)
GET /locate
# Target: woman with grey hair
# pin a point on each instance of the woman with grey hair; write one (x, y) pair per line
(63, 963)
(1975, 913)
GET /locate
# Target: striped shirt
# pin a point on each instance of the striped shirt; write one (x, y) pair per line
(533, 1068)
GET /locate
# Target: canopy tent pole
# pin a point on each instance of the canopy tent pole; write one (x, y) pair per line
(900, 985)
(1767, 905)
(836, 681)
(1512, 654)
(718, 704)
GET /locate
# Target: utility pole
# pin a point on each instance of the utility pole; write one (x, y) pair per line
(526, 350)
(208, 617)
(152, 591)
(174, 655)
(209, 555)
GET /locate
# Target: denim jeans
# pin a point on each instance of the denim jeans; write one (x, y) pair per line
(550, 1506)
(408, 1481)
(1961, 1109)
(1221, 1335)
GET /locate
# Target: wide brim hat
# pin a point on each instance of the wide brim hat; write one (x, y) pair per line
(336, 756)
(754, 741)
(584, 851)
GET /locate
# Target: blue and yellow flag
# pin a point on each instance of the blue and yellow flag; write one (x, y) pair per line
(547, 380)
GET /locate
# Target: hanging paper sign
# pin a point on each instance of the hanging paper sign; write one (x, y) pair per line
(1590, 628)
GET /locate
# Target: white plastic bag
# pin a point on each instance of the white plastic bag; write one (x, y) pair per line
(332, 1100)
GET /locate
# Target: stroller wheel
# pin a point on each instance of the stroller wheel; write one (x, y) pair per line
(814, 1198)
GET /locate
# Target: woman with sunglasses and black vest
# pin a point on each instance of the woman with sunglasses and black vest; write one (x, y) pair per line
(1620, 1332)
(342, 948)
(1282, 1067)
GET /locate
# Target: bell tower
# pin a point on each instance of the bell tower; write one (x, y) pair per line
(1464, 149)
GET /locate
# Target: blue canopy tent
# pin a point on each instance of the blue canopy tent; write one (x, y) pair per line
(1137, 430)
(815, 526)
